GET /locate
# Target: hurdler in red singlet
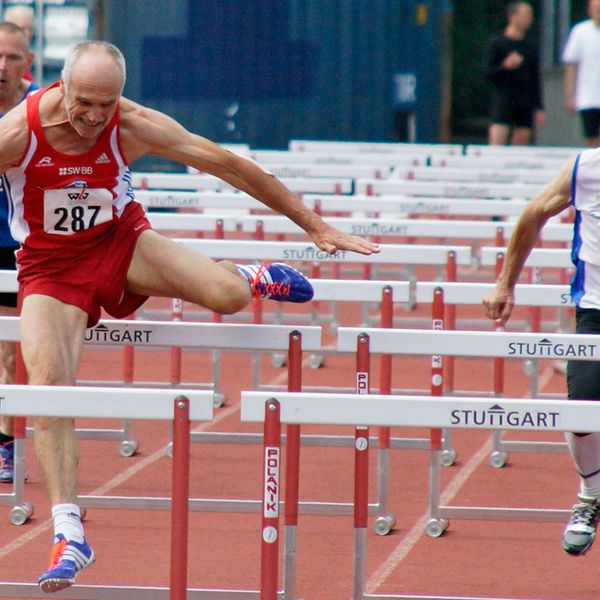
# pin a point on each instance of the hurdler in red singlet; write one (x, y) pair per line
(77, 220)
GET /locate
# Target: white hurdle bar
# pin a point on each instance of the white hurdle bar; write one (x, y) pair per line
(179, 406)
(395, 411)
(465, 189)
(199, 182)
(473, 173)
(558, 258)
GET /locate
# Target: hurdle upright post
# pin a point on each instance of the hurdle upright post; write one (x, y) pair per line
(177, 317)
(292, 470)
(361, 472)
(269, 555)
(385, 387)
(435, 434)
(180, 492)
(450, 321)
(498, 456)
(20, 432)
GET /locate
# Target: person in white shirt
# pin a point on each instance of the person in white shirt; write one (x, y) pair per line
(582, 77)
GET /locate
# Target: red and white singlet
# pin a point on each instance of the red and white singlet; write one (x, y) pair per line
(61, 199)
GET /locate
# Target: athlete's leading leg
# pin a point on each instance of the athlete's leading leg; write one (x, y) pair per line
(162, 267)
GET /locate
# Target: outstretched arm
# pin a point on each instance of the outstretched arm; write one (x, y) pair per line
(145, 131)
(552, 200)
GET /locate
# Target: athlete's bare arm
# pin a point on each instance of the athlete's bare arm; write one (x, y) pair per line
(13, 137)
(145, 131)
(551, 201)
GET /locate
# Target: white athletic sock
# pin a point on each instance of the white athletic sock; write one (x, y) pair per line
(67, 520)
(585, 451)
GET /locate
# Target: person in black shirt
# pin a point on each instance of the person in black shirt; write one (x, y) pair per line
(512, 66)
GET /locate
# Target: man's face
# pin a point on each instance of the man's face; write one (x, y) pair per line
(15, 60)
(594, 11)
(90, 104)
(524, 16)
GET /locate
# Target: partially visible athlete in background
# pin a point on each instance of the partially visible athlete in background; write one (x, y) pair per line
(15, 61)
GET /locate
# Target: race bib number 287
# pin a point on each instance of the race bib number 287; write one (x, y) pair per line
(69, 210)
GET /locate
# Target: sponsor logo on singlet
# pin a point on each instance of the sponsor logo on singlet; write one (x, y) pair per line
(102, 159)
(45, 161)
(78, 170)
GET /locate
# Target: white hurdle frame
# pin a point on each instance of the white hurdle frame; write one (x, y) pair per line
(474, 344)
(209, 336)
(528, 295)
(394, 411)
(179, 406)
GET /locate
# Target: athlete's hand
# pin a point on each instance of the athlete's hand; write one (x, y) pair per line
(498, 305)
(330, 240)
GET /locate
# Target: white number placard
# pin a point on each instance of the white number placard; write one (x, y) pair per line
(69, 210)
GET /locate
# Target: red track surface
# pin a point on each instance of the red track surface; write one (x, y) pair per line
(473, 558)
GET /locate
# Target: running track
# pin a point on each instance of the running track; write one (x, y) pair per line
(498, 559)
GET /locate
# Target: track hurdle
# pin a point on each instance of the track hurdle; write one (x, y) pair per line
(179, 406)
(390, 254)
(474, 174)
(153, 334)
(528, 295)
(376, 187)
(475, 344)
(399, 148)
(199, 182)
(557, 258)
(408, 411)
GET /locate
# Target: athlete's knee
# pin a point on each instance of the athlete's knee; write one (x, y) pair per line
(52, 424)
(232, 296)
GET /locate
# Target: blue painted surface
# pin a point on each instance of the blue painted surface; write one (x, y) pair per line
(267, 71)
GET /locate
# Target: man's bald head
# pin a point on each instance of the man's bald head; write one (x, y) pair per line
(101, 60)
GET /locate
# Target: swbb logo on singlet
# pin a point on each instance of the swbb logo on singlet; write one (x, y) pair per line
(70, 210)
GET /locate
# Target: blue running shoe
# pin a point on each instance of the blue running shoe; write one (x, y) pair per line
(277, 281)
(7, 462)
(67, 559)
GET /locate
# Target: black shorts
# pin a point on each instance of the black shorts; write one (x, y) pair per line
(590, 121)
(8, 263)
(583, 376)
(503, 113)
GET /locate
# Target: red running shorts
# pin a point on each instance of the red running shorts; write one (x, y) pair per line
(91, 275)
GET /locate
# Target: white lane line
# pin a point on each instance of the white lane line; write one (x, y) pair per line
(412, 537)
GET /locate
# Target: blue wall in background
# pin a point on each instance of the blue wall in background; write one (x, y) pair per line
(267, 71)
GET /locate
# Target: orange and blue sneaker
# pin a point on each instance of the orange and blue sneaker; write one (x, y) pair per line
(7, 460)
(277, 281)
(67, 559)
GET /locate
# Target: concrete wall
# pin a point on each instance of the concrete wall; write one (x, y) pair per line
(562, 128)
